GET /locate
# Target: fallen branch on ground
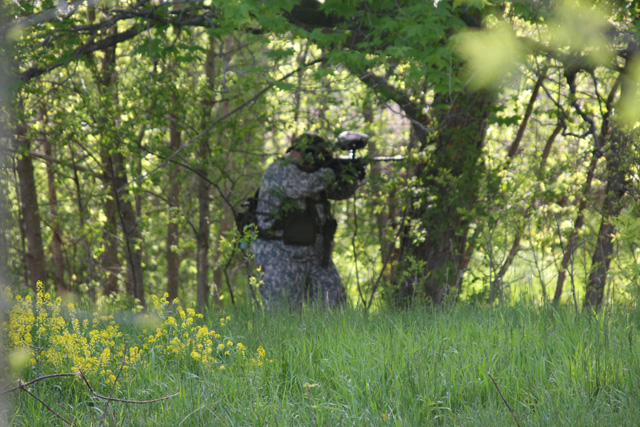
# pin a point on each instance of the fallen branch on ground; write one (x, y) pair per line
(503, 399)
(24, 387)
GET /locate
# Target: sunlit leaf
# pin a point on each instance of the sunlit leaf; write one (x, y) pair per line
(582, 28)
(491, 55)
(629, 107)
(18, 359)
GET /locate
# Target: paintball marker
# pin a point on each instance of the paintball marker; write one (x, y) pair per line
(352, 141)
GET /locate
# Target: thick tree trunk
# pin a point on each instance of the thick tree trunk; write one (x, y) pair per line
(451, 180)
(34, 257)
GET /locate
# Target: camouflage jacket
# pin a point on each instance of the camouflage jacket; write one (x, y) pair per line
(284, 185)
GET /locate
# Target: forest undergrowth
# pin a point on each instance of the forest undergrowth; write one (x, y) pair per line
(461, 365)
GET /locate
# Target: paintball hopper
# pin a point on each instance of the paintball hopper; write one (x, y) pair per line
(350, 140)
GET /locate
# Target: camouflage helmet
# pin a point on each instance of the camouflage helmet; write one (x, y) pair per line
(314, 149)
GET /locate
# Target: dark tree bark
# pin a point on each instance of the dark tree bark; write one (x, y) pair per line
(572, 242)
(34, 257)
(110, 261)
(451, 177)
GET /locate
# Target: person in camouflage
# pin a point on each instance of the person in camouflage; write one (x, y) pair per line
(296, 226)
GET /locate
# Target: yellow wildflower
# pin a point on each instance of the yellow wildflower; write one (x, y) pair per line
(261, 352)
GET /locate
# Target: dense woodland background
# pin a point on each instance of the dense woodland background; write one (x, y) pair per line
(136, 129)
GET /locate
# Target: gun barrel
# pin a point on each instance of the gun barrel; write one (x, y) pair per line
(387, 158)
(376, 158)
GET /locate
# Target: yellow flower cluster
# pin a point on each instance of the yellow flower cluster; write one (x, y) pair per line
(62, 343)
(59, 338)
(179, 337)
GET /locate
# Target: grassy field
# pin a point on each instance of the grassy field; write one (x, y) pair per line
(416, 367)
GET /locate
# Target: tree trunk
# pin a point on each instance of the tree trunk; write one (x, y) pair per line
(451, 180)
(617, 167)
(116, 173)
(110, 261)
(569, 250)
(129, 225)
(4, 225)
(173, 260)
(82, 216)
(203, 237)
(204, 219)
(5, 58)
(56, 239)
(34, 257)
(586, 189)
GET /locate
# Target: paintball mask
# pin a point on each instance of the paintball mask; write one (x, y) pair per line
(314, 149)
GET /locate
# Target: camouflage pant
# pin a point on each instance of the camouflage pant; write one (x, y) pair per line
(286, 270)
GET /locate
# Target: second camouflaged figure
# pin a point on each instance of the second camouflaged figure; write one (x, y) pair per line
(296, 227)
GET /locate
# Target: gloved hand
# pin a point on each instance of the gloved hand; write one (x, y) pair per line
(335, 165)
(355, 168)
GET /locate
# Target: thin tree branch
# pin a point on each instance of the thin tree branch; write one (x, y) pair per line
(515, 145)
(46, 16)
(45, 377)
(151, 17)
(23, 386)
(48, 407)
(503, 399)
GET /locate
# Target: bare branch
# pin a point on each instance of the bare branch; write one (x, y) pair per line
(46, 377)
(202, 17)
(503, 399)
(62, 11)
(23, 386)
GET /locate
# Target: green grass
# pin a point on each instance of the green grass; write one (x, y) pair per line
(403, 368)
